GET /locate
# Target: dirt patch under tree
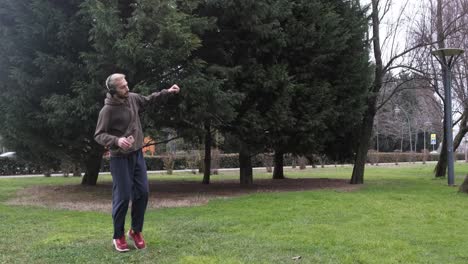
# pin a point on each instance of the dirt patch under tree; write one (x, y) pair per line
(164, 193)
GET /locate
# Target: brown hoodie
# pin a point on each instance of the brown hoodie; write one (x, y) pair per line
(119, 118)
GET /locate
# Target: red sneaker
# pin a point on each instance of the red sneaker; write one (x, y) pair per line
(137, 239)
(120, 244)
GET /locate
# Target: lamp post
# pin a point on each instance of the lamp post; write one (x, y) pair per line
(447, 58)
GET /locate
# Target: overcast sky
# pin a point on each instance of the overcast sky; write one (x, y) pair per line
(405, 14)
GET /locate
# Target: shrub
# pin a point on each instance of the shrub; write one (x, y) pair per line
(10, 166)
(215, 161)
(267, 160)
(193, 160)
(393, 157)
(229, 161)
(302, 161)
(169, 161)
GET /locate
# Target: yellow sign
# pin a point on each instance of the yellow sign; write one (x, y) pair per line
(433, 139)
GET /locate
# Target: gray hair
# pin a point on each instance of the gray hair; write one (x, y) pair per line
(112, 79)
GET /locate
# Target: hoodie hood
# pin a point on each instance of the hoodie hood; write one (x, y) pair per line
(114, 100)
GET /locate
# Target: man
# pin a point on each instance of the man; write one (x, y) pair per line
(119, 129)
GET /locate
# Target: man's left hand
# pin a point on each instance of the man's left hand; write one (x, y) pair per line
(174, 89)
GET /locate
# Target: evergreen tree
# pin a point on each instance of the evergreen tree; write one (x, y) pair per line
(55, 56)
(328, 65)
(46, 108)
(151, 41)
(300, 66)
(276, 74)
(242, 48)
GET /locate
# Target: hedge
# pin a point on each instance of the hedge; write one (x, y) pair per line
(395, 157)
(182, 162)
(9, 166)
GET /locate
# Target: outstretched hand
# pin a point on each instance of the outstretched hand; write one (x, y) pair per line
(174, 89)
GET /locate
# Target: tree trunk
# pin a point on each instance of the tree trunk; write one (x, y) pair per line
(207, 160)
(368, 119)
(441, 167)
(201, 164)
(361, 155)
(76, 169)
(278, 172)
(93, 165)
(462, 130)
(416, 142)
(464, 186)
(245, 164)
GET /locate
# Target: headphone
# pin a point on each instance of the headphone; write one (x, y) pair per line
(110, 89)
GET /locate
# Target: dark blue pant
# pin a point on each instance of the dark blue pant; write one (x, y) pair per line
(129, 182)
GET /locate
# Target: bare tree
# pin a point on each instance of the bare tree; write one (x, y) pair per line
(419, 111)
(396, 56)
(444, 24)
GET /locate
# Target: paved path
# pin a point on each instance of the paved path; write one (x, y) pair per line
(229, 169)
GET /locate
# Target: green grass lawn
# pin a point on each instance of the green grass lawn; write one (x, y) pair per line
(401, 215)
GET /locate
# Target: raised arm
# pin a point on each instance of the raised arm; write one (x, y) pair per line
(144, 100)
